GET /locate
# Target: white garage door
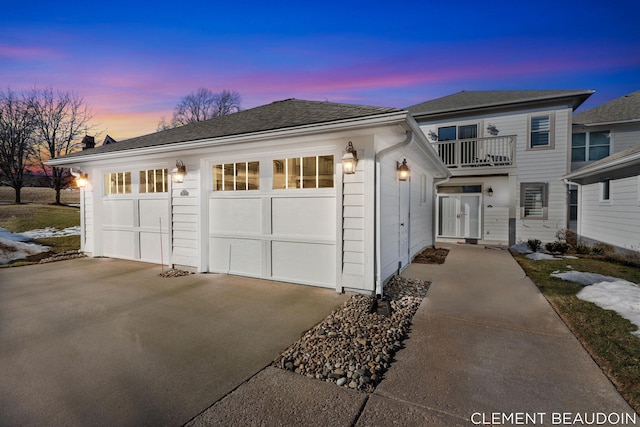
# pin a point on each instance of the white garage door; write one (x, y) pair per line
(134, 216)
(284, 235)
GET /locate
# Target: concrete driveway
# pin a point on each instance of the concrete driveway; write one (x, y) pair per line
(109, 342)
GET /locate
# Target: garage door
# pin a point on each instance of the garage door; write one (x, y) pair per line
(134, 215)
(284, 234)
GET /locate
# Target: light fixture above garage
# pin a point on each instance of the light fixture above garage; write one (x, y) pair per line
(349, 160)
(403, 171)
(81, 177)
(179, 172)
(490, 191)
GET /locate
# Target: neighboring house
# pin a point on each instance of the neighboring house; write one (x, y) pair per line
(508, 152)
(606, 173)
(263, 194)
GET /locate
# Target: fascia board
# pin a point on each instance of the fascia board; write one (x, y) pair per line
(348, 124)
(604, 167)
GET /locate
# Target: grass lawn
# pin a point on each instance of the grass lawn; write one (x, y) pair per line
(40, 195)
(605, 334)
(20, 218)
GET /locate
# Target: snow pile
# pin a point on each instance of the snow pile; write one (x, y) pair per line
(537, 256)
(620, 296)
(521, 248)
(608, 292)
(52, 232)
(11, 250)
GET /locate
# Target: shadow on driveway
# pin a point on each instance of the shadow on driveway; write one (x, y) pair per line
(110, 342)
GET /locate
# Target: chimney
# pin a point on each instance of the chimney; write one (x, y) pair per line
(88, 142)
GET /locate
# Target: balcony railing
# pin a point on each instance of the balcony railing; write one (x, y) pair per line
(477, 152)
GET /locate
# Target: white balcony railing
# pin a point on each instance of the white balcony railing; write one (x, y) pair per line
(477, 152)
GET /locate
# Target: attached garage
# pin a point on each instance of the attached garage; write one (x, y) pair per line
(265, 195)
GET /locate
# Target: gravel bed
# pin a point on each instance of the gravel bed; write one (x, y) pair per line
(62, 256)
(353, 347)
(175, 273)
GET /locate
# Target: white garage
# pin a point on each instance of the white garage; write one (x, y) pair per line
(263, 193)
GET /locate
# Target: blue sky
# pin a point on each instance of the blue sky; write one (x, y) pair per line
(133, 61)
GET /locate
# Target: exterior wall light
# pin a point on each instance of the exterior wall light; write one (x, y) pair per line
(403, 171)
(178, 174)
(349, 160)
(490, 191)
(82, 178)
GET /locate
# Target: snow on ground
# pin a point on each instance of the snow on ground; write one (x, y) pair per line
(537, 256)
(609, 293)
(14, 246)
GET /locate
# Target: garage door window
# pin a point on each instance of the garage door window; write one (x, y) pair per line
(154, 181)
(236, 176)
(303, 172)
(117, 183)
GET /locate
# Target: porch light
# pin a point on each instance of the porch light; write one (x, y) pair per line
(490, 191)
(403, 171)
(82, 178)
(349, 160)
(179, 172)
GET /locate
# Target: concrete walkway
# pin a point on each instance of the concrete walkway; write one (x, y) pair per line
(484, 344)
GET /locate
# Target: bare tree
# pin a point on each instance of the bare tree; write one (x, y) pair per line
(17, 129)
(203, 104)
(60, 118)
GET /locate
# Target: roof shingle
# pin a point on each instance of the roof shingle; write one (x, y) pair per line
(623, 109)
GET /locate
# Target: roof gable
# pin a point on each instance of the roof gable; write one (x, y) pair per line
(278, 115)
(476, 100)
(623, 109)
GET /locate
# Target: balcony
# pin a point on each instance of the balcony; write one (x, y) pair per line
(496, 151)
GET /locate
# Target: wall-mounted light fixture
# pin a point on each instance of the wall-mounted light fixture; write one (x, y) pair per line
(349, 160)
(403, 170)
(490, 191)
(81, 177)
(432, 136)
(178, 174)
(492, 129)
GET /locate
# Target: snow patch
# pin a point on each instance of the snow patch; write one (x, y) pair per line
(584, 279)
(537, 256)
(52, 232)
(620, 296)
(521, 248)
(11, 250)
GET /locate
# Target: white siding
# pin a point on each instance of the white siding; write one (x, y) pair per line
(87, 221)
(185, 220)
(616, 221)
(389, 216)
(353, 235)
(625, 137)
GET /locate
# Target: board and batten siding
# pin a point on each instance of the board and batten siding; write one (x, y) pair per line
(185, 209)
(616, 221)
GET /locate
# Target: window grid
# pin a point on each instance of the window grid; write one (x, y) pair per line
(540, 135)
(241, 176)
(303, 172)
(154, 181)
(117, 183)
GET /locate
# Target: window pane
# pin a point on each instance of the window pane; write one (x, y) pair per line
(325, 171)
(279, 176)
(229, 175)
(217, 177)
(126, 183)
(540, 126)
(533, 202)
(253, 176)
(540, 123)
(161, 180)
(539, 139)
(578, 140)
(293, 173)
(468, 131)
(578, 154)
(447, 133)
(606, 188)
(309, 172)
(143, 181)
(599, 138)
(597, 153)
(241, 176)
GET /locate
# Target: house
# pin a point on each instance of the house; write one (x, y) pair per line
(508, 152)
(605, 173)
(267, 193)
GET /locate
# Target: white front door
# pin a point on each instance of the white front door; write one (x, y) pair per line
(459, 216)
(403, 246)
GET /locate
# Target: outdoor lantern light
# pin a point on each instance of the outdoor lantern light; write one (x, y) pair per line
(82, 179)
(349, 160)
(403, 171)
(179, 172)
(490, 191)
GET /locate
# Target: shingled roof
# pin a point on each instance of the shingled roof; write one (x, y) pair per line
(289, 113)
(619, 159)
(623, 109)
(474, 100)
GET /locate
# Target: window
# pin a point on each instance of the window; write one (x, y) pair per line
(533, 201)
(240, 176)
(423, 189)
(450, 133)
(590, 146)
(303, 172)
(605, 190)
(540, 134)
(117, 183)
(154, 181)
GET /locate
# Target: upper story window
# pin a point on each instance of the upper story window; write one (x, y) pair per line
(117, 183)
(590, 146)
(451, 133)
(236, 176)
(541, 131)
(605, 190)
(154, 181)
(303, 172)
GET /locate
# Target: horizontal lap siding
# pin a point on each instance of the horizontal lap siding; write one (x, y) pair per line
(184, 219)
(88, 240)
(389, 217)
(353, 232)
(616, 222)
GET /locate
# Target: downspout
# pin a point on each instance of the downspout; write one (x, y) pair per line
(378, 157)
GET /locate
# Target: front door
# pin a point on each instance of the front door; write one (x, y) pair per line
(459, 216)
